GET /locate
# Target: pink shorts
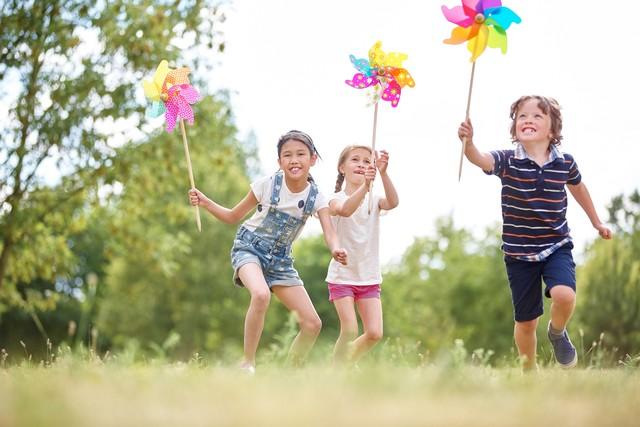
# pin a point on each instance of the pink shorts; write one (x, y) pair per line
(355, 292)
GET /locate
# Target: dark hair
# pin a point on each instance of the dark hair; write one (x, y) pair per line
(298, 136)
(548, 106)
(343, 158)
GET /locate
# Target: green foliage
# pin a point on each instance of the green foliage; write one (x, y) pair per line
(609, 300)
(72, 67)
(450, 286)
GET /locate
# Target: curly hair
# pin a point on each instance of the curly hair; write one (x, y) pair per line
(343, 158)
(548, 106)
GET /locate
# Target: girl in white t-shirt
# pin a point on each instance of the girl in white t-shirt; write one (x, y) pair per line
(358, 283)
(261, 253)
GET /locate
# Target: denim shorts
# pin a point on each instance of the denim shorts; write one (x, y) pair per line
(248, 247)
(525, 280)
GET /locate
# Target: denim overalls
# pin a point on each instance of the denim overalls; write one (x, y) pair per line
(269, 245)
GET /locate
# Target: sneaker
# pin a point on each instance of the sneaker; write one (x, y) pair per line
(564, 351)
(248, 369)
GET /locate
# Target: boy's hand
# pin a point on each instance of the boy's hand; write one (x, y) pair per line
(465, 130)
(604, 231)
(370, 174)
(340, 255)
(197, 198)
(382, 161)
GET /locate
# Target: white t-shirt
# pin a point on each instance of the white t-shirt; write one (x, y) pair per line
(359, 235)
(290, 203)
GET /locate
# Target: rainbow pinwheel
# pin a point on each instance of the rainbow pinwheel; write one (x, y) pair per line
(170, 93)
(383, 71)
(481, 23)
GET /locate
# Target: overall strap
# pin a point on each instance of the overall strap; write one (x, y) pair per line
(276, 187)
(311, 201)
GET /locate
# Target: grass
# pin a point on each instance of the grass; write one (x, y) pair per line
(80, 391)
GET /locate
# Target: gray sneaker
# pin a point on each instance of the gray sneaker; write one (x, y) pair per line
(564, 351)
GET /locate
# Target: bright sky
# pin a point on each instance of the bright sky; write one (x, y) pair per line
(286, 62)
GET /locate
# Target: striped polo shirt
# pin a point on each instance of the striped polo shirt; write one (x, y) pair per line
(534, 201)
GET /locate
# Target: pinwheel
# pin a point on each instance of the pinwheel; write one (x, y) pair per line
(384, 73)
(481, 23)
(170, 92)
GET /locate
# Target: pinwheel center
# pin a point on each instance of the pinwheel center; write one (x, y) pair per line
(479, 18)
(164, 96)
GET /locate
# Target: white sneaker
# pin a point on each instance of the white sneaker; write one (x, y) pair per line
(248, 369)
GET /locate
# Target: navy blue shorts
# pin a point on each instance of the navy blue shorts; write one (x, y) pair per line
(525, 280)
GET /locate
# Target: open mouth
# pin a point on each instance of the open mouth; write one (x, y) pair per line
(528, 130)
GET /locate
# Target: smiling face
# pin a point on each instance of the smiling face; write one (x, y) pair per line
(532, 124)
(354, 165)
(296, 160)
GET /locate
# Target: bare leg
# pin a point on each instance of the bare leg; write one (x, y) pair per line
(348, 328)
(526, 341)
(296, 299)
(370, 310)
(563, 301)
(253, 279)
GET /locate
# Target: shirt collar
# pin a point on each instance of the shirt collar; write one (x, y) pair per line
(521, 154)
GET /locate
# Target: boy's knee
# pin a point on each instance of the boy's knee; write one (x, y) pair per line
(528, 326)
(561, 294)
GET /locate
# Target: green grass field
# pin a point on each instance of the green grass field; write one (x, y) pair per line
(72, 392)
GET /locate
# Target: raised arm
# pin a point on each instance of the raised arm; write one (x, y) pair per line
(331, 238)
(390, 199)
(229, 216)
(475, 156)
(349, 205)
(582, 196)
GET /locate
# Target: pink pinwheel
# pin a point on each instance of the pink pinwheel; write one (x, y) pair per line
(383, 72)
(178, 104)
(169, 92)
(481, 23)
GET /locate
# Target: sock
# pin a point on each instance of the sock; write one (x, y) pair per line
(554, 331)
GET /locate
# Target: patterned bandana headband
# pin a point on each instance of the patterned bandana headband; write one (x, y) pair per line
(298, 136)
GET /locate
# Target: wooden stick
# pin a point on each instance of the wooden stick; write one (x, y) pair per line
(193, 184)
(373, 153)
(464, 140)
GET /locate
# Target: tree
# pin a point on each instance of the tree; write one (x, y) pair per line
(610, 280)
(68, 72)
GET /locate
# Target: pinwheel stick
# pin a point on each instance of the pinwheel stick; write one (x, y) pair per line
(191, 180)
(464, 140)
(373, 153)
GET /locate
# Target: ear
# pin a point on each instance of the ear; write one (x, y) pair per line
(314, 158)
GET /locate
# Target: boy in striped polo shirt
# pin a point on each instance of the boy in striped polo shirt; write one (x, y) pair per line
(535, 234)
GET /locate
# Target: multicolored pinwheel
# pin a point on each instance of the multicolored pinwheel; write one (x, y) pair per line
(481, 23)
(170, 92)
(383, 70)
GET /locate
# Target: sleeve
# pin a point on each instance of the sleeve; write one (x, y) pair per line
(499, 162)
(261, 188)
(574, 174)
(321, 203)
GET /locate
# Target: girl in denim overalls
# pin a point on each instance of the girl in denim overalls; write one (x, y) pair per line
(261, 253)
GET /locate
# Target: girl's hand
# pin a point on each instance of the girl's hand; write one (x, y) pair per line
(197, 198)
(382, 161)
(340, 255)
(465, 130)
(604, 231)
(370, 174)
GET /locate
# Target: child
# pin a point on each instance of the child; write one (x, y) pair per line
(359, 282)
(261, 253)
(535, 234)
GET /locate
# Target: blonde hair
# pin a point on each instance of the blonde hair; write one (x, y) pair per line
(548, 106)
(343, 158)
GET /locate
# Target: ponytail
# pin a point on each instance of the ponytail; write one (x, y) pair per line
(339, 181)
